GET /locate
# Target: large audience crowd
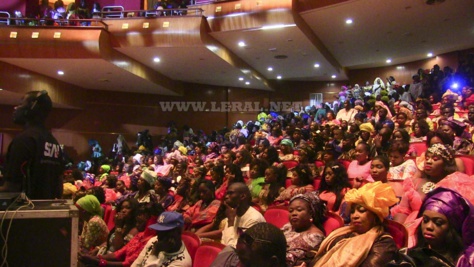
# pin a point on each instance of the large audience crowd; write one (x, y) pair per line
(378, 153)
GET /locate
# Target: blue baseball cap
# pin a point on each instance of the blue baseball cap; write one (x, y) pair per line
(168, 220)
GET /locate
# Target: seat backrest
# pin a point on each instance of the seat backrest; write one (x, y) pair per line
(468, 164)
(111, 220)
(332, 222)
(290, 164)
(316, 183)
(277, 216)
(206, 253)
(419, 147)
(345, 163)
(398, 232)
(192, 242)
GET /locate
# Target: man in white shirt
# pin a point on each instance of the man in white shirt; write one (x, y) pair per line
(240, 215)
(347, 113)
(167, 248)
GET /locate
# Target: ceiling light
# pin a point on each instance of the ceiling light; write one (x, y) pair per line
(247, 83)
(277, 26)
(388, 60)
(270, 69)
(429, 55)
(57, 35)
(242, 44)
(279, 77)
(333, 76)
(156, 59)
(60, 72)
(349, 21)
(316, 65)
(241, 78)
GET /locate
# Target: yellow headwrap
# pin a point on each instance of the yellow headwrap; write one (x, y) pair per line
(376, 197)
(367, 127)
(183, 150)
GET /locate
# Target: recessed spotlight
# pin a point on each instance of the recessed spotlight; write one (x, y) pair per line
(388, 60)
(270, 69)
(60, 72)
(241, 78)
(279, 77)
(333, 76)
(242, 44)
(316, 65)
(429, 55)
(156, 59)
(247, 83)
(349, 21)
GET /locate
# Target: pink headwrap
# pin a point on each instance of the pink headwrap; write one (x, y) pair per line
(382, 104)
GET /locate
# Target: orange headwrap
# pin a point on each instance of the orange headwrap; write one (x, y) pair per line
(376, 197)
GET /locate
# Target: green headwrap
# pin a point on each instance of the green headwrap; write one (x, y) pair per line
(286, 142)
(90, 204)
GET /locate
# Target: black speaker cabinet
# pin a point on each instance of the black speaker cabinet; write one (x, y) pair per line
(46, 235)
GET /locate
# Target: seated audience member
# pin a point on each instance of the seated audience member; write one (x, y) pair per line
(364, 242)
(145, 183)
(204, 211)
(125, 226)
(286, 150)
(400, 169)
(274, 185)
(162, 191)
(257, 176)
(348, 147)
(444, 237)
(334, 185)
(358, 171)
(181, 198)
(270, 154)
(419, 130)
(301, 182)
(403, 136)
(438, 137)
(198, 176)
(166, 248)
(262, 245)
(243, 159)
(366, 133)
(455, 129)
(239, 213)
(440, 171)
(146, 215)
(233, 174)
(305, 232)
(94, 230)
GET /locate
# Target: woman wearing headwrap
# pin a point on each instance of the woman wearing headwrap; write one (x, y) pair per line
(445, 235)
(364, 242)
(455, 129)
(305, 231)
(383, 114)
(103, 172)
(286, 149)
(94, 230)
(439, 171)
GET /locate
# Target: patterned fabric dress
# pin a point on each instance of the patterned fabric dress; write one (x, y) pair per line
(298, 244)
